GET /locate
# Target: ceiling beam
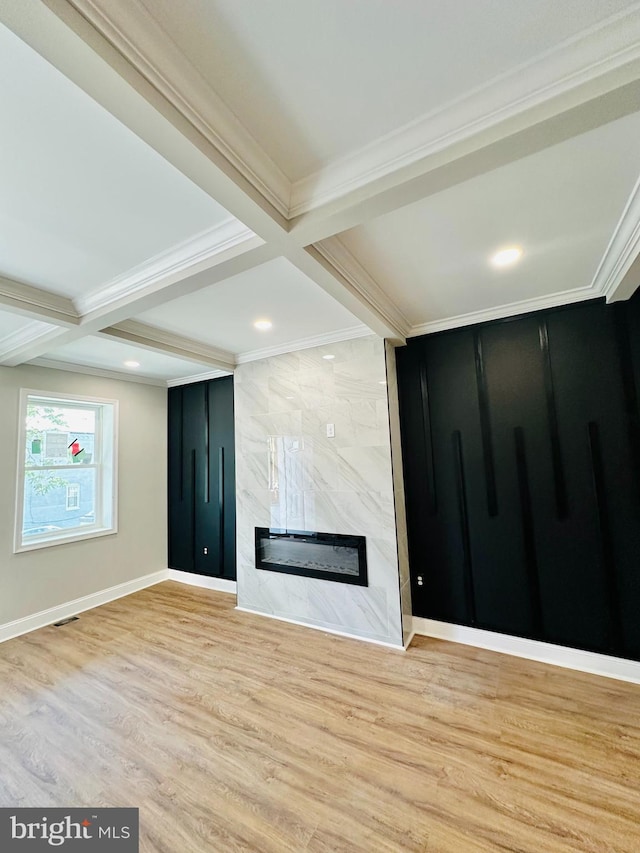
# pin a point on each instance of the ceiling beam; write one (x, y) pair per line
(171, 285)
(16, 347)
(178, 114)
(90, 51)
(475, 155)
(159, 340)
(37, 304)
(112, 307)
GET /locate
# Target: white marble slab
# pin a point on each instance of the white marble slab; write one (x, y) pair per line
(291, 475)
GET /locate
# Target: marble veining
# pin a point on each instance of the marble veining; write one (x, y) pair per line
(290, 474)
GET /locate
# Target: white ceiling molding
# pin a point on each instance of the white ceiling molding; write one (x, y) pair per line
(197, 377)
(305, 343)
(584, 67)
(171, 264)
(159, 340)
(155, 294)
(188, 124)
(611, 278)
(14, 345)
(151, 51)
(512, 309)
(29, 301)
(597, 61)
(53, 364)
(71, 43)
(345, 264)
(205, 274)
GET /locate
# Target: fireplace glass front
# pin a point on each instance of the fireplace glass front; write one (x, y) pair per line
(330, 556)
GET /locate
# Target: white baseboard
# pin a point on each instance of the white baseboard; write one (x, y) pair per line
(78, 605)
(204, 581)
(395, 646)
(591, 662)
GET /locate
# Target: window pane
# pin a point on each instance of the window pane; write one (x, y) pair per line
(59, 435)
(57, 500)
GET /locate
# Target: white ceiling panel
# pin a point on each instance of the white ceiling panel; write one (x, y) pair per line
(223, 315)
(105, 354)
(316, 80)
(82, 198)
(560, 205)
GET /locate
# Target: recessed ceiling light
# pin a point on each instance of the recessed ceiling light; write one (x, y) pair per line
(506, 257)
(132, 364)
(328, 357)
(263, 325)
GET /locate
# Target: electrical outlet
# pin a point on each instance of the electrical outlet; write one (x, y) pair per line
(331, 430)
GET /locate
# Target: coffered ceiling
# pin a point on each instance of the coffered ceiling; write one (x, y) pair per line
(171, 173)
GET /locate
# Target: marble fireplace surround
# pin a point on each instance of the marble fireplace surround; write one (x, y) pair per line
(290, 475)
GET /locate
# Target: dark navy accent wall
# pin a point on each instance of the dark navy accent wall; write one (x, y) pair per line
(202, 514)
(521, 446)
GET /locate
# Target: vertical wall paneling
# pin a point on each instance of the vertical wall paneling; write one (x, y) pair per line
(207, 454)
(527, 429)
(630, 388)
(426, 428)
(202, 478)
(221, 542)
(485, 425)
(554, 433)
(193, 477)
(606, 542)
(528, 535)
(461, 487)
(180, 438)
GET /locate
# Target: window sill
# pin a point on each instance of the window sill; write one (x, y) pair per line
(74, 536)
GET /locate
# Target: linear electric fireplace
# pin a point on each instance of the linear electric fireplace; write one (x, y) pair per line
(330, 556)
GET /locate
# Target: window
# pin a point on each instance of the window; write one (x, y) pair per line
(73, 496)
(66, 469)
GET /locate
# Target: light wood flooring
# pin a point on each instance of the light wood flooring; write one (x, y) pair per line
(232, 732)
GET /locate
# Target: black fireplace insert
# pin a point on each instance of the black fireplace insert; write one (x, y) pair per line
(330, 556)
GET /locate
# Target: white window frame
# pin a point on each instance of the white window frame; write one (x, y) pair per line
(73, 489)
(104, 462)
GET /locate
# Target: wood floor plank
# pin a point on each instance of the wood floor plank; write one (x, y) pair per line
(232, 732)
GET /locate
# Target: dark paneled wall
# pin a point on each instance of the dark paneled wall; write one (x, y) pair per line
(521, 444)
(202, 514)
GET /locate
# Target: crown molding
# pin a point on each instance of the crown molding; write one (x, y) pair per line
(305, 343)
(592, 63)
(69, 367)
(197, 377)
(349, 268)
(140, 39)
(160, 340)
(171, 264)
(14, 345)
(621, 253)
(526, 306)
(24, 335)
(36, 303)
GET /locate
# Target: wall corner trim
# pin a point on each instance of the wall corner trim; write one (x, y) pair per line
(581, 661)
(78, 605)
(203, 581)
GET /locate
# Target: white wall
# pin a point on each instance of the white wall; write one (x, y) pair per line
(37, 580)
(334, 485)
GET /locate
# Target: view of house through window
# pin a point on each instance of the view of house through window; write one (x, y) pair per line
(67, 470)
